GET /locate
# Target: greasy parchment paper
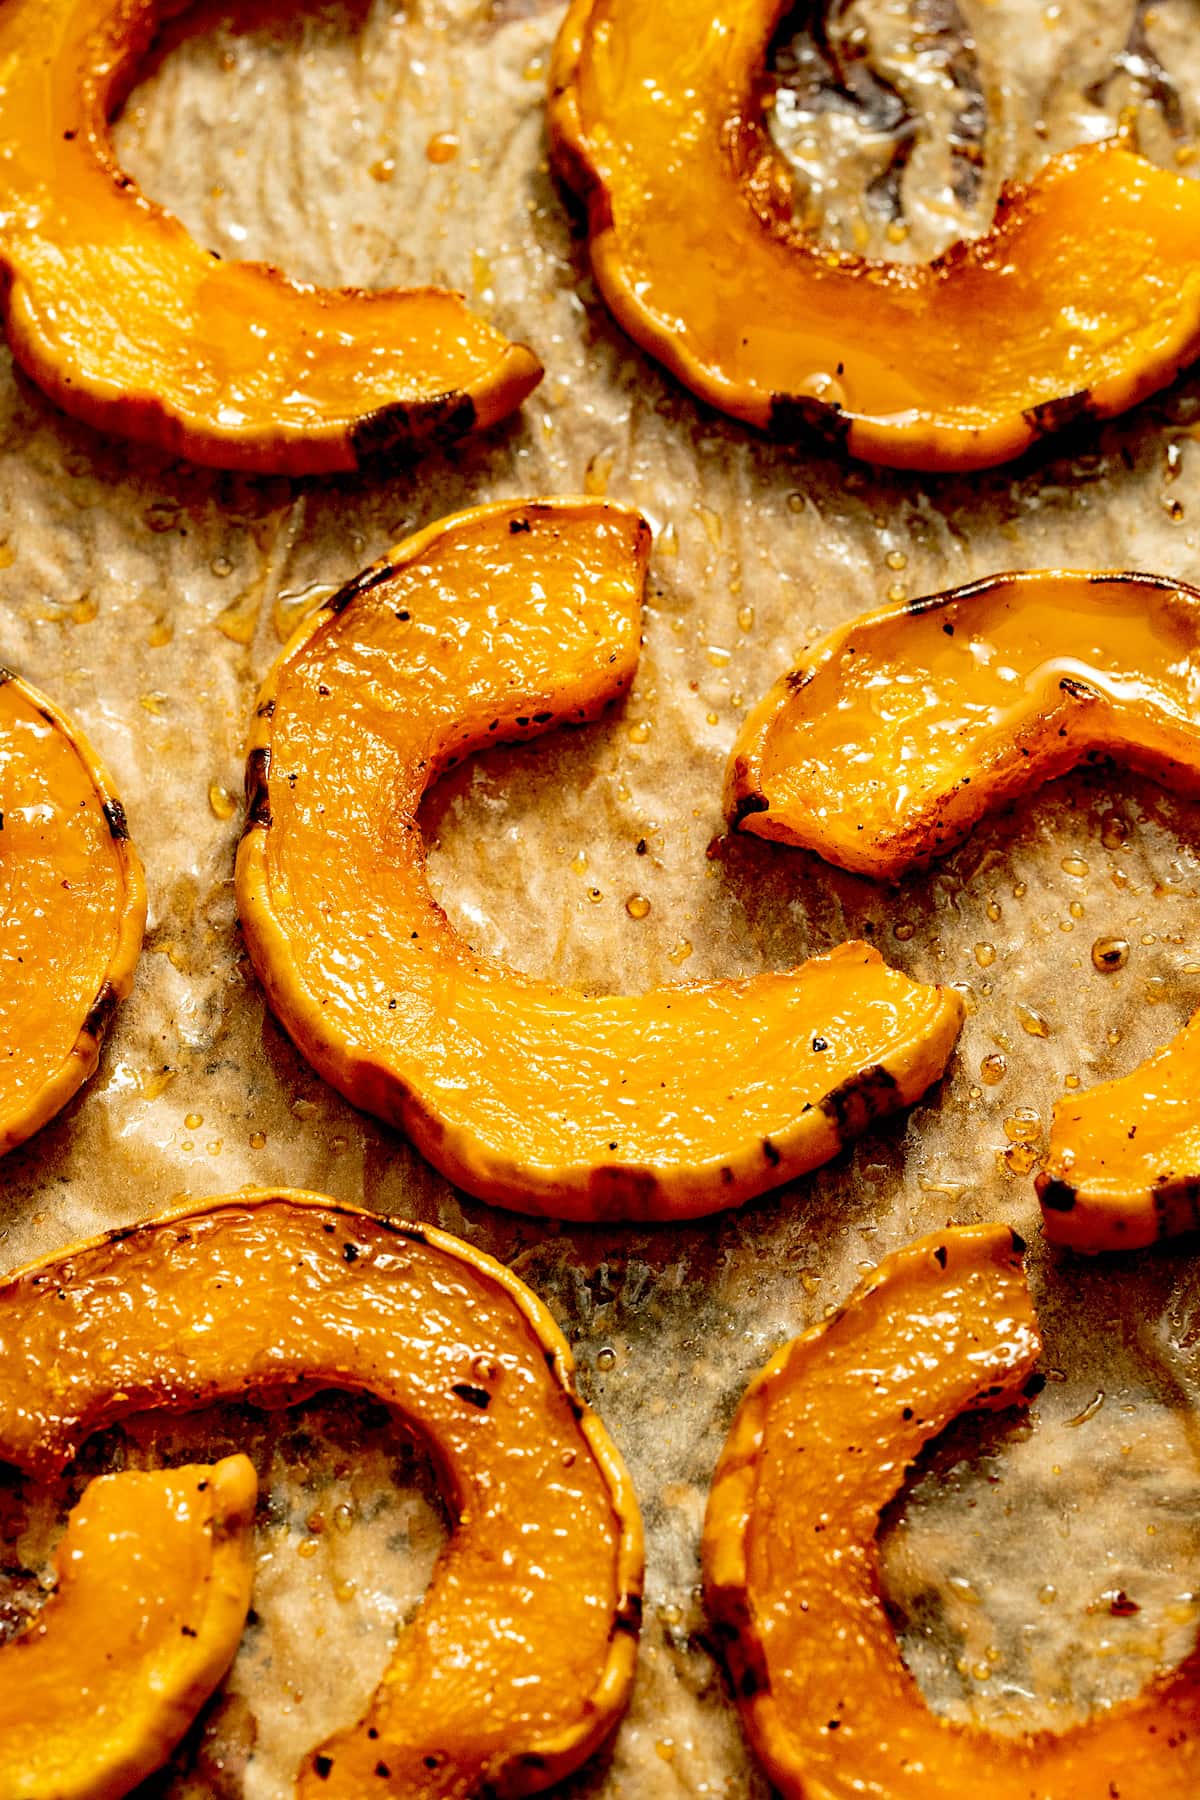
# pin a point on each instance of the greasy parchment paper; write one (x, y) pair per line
(149, 598)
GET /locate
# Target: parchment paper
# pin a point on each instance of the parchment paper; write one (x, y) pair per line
(149, 598)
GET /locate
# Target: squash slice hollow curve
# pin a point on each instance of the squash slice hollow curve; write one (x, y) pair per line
(129, 324)
(899, 731)
(519, 1661)
(490, 626)
(1082, 298)
(73, 912)
(819, 1446)
(1123, 1167)
(154, 1578)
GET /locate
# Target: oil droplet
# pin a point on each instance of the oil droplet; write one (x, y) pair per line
(745, 618)
(595, 477)
(222, 802)
(712, 718)
(308, 1547)
(1113, 1036)
(1113, 831)
(162, 516)
(904, 932)
(1033, 1022)
(1076, 909)
(637, 906)
(897, 232)
(1020, 889)
(1021, 1159)
(1173, 509)
(896, 559)
(897, 592)
(639, 732)
(343, 1518)
(993, 912)
(221, 565)
(258, 1140)
(1025, 1126)
(1074, 865)
(985, 955)
(717, 655)
(442, 147)
(606, 1359)
(680, 953)
(1110, 954)
(795, 503)
(595, 895)
(193, 1121)
(1047, 1595)
(213, 1146)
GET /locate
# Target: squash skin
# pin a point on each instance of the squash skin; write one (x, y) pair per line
(296, 1292)
(1123, 1166)
(818, 1447)
(76, 909)
(144, 1630)
(125, 322)
(507, 1084)
(656, 123)
(1105, 662)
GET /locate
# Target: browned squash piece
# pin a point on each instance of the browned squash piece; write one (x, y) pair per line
(1124, 1163)
(819, 1446)
(493, 625)
(899, 731)
(154, 1577)
(1082, 298)
(520, 1659)
(73, 912)
(128, 323)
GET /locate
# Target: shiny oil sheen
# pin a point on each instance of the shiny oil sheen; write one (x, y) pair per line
(1083, 296)
(493, 626)
(154, 1575)
(902, 729)
(525, 1642)
(130, 324)
(819, 1446)
(72, 907)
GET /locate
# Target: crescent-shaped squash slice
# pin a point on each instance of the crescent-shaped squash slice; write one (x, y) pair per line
(72, 909)
(154, 1578)
(128, 324)
(520, 1658)
(819, 1446)
(493, 625)
(902, 729)
(1082, 298)
(1123, 1168)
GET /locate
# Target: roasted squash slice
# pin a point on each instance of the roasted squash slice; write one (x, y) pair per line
(1083, 297)
(819, 1446)
(494, 625)
(74, 909)
(154, 1578)
(520, 1659)
(1123, 1169)
(899, 731)
(128, 324)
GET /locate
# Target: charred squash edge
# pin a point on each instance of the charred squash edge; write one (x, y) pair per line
(81, 1062)
(909, 848)
(123, 1761)
(557, 1756)
(633, 1192)
(923, 444)
(359, 441)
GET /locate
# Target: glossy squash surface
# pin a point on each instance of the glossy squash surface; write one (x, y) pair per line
(129, 324)
(154, 1576)
(1083, 297)
(1123, 1168)
(495, 625)
(819, 1446)
(73, 912)
(520, 1658)
(899, 731)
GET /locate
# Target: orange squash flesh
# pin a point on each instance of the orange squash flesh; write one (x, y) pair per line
(819, 1446)
(154, 1578)
(520, 1659)
(902, 729)
(494, 625)
(1082, 298)
(73, 911)
(127, 323)
(1123, 1167)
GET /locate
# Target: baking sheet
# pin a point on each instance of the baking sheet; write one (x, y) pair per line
(148, 598)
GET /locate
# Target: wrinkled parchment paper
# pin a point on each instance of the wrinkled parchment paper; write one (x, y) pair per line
(148, 598)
